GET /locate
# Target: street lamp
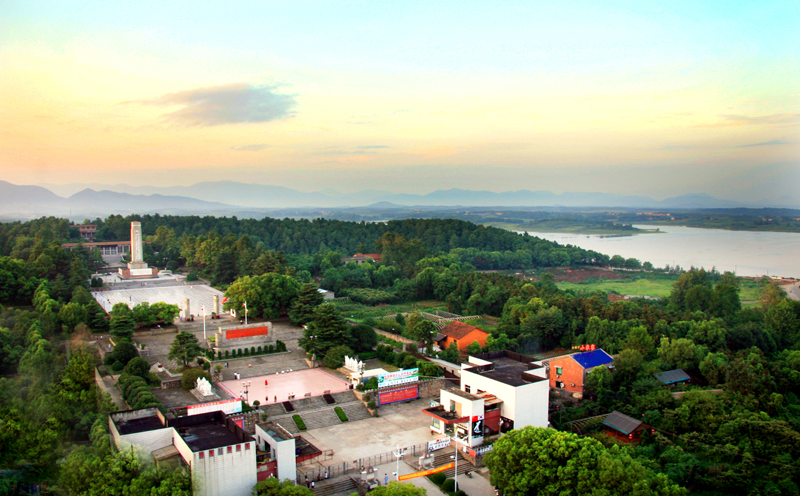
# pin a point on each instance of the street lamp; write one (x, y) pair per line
(399, 455)
(455, 457)
(246, 386)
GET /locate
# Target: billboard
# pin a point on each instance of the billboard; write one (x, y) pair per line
(227, 406)
(396, 378)
(409, 393)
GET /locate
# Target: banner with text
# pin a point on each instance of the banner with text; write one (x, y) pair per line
(427, 472)
(396, 378)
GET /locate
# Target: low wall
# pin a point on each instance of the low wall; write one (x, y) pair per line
(431, 388)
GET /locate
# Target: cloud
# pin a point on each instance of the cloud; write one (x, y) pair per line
(678, 147)
(342, 152)
(370, 147)
(747, 120)
(767, 143)
(227, 104)
(250, 148)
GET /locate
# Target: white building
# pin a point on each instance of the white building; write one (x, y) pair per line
(281, 445)
(499, 391)
(220, 456)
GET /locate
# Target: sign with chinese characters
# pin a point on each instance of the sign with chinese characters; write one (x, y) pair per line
(438, 444)
(409, 393)
(396, 378)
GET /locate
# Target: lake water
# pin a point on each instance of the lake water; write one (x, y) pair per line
(747, 253)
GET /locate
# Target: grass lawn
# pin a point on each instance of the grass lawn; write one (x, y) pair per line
(658, 288)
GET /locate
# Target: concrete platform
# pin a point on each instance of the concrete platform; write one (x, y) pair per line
(312, 381)
(199, 296)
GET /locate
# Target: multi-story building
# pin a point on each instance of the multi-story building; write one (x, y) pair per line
(219, 455)
(499, 391)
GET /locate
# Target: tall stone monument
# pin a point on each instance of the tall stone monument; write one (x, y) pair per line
(137, 268)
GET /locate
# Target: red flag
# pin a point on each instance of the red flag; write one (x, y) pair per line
(592, 347)
(225, 299)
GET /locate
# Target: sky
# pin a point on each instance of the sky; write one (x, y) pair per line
(651, 98)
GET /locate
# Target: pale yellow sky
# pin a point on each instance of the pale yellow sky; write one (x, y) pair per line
(109, 97)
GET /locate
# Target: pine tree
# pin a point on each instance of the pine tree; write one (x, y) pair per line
(185, 348)
(328, 329)
(308, 299)
(122, 321)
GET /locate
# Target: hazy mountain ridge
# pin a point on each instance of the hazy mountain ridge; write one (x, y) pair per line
(256, 200)
(236, 194)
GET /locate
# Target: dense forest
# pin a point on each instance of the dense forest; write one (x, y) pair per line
(735, 431)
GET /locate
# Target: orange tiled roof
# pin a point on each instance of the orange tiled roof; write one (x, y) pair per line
(458, 330)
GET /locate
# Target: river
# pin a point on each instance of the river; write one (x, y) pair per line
(747, 253)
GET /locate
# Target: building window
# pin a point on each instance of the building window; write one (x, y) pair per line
(247, 446)
(466, 388)
(219, 451)
(558, 371)
(210, 453)
(230, 449)
(238, 447)
(202, 455)
(480, 391)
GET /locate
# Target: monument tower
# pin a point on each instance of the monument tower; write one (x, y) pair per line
(137, 268)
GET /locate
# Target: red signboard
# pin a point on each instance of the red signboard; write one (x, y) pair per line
(246, 333)
(398, 395)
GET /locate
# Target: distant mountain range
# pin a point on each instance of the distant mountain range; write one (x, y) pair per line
(235, 198)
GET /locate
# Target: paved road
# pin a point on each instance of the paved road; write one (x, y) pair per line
(792, 291)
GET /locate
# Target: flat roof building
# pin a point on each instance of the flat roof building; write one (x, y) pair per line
(499, 391)
(220, 456)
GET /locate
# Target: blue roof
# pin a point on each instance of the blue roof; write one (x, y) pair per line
(591, 359)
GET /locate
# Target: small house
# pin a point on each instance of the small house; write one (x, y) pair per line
(569, 373)
(461, 334)
(673, 377)
(623, 427)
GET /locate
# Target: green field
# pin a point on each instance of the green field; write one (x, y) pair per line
(360, 312)
(655, 287)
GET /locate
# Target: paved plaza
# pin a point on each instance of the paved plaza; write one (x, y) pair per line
(301, 383)
(199, 295)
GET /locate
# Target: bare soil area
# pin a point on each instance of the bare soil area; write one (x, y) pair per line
(578, 275)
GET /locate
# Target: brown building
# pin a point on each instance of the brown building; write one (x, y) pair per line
(86, 231)
(462, 335)
(569, 373)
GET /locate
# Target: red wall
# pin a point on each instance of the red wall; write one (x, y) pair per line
(467, 340)
(246, 333)
(398, 395)
(571, 373)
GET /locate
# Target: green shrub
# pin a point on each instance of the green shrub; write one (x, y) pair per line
(372, 383)
(271, 349)
(438, 478)
(252, 350)
(335, 356)
(449, 486)
(367, 397)
(226, 353)
(190, 376)
(259, 350)
(340, 413)
(359, 387)
(193, 276)
(371, 405)
(299, 422)
(461, 493)
(117, 366)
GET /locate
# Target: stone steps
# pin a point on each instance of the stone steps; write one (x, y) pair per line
(334, 487)
(356, 411)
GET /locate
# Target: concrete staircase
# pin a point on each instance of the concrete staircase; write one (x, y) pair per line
(442, 457)
(355, 411)
(316, 413)
(334, 487)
